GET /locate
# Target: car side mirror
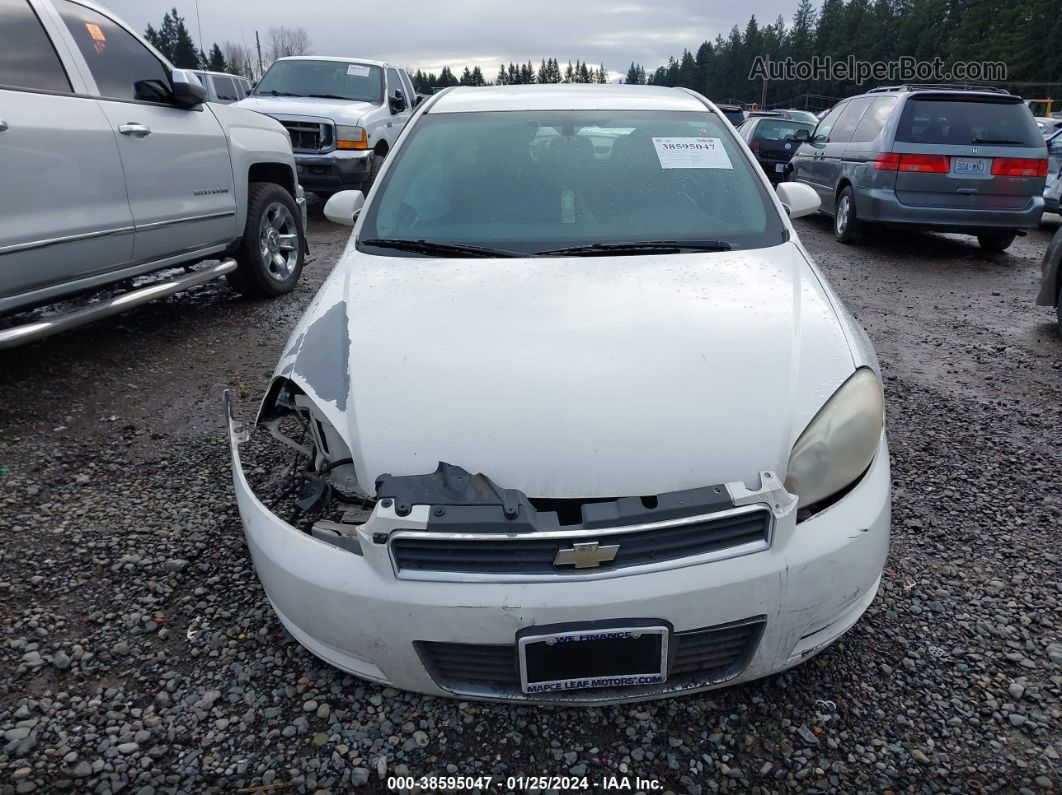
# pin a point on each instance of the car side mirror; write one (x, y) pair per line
(397, 101)
(343, 207)
(187, 90)
(798, 199)
(802, 135)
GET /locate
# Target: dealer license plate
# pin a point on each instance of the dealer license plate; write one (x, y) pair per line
(970, 166)
(593, 657)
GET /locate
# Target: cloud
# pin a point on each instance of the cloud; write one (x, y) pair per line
(430, 34)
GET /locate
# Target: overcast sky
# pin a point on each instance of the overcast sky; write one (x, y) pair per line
(430, 34)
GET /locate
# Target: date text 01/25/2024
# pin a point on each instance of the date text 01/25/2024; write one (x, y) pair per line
(456, 783)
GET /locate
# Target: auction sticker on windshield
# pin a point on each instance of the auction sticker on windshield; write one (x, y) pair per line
(691, 153)
(357, 70)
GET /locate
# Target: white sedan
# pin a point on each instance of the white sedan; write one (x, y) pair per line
(578, 422)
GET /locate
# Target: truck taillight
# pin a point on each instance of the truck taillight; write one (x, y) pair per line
(918, 164)
(1019, 167)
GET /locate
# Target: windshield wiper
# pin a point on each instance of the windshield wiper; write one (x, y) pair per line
(441, 249)
(275, 93)
(639, 247)
(1003, 141)
(327, 96)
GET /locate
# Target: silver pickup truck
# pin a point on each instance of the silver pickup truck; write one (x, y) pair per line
(114, 166)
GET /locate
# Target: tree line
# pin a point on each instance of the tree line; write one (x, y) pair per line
(513, 74)
(174, 41)
(1026, 35)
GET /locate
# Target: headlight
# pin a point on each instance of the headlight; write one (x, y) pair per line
(351, 137)
(839, 443)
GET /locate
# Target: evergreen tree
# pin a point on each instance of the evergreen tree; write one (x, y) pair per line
(447, 78)
(216, 61)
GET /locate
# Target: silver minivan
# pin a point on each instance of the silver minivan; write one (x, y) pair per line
(940, 158)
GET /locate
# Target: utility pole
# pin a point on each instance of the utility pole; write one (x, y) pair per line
(199, 24)
(763, 99)
(258, 42)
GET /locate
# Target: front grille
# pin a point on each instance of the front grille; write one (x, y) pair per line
(529, 554)
(308, 136)
(697, 658)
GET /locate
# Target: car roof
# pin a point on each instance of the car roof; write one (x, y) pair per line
(562, 96)
(975, 92)
(339, 59)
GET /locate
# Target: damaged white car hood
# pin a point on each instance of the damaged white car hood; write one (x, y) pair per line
(575, 377)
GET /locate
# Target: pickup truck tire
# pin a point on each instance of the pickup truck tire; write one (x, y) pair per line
(996, 241)
(374, 169)
(270, 256)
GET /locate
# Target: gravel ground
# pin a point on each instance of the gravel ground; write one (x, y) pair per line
(140, 655)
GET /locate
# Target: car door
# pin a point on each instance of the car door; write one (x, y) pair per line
(807, 164)
(831, 164)
(64, 213)
(400, 111)
(176, 160)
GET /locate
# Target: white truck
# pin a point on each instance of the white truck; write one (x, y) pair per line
(114, 166)
(344, 115)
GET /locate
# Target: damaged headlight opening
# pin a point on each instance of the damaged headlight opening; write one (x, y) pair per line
(839, 444)
(323, 470)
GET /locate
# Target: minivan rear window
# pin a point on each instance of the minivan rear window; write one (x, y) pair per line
(963, 122)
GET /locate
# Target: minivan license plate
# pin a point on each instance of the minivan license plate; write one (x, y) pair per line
(970, 166)
(593, 657)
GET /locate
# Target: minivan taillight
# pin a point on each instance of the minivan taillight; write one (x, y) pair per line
(1019, 167)
(887, 161)
(918, 164)
(925, 164)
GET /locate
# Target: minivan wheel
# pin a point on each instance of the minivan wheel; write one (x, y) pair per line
(847, 227)
(270, 257)
(996, 241)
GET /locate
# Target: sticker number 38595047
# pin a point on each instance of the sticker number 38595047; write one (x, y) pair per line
(691, 153)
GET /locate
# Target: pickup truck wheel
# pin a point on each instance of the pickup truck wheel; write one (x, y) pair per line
(996, 241)
(847, 227)
(370, 178)
(270, 256)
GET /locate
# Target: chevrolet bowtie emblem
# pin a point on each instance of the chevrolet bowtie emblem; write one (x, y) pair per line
(586, 556)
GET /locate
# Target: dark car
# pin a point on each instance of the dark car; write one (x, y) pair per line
(735, 114)
(774, 142)
(1051, 278)
(934, 157)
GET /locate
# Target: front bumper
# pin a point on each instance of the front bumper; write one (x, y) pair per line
(350, 609)
(333, 171)
(881, 205)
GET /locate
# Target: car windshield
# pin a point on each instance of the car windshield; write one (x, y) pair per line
(334, 79)
(779, 129)
(961, 123)
(533, 181)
